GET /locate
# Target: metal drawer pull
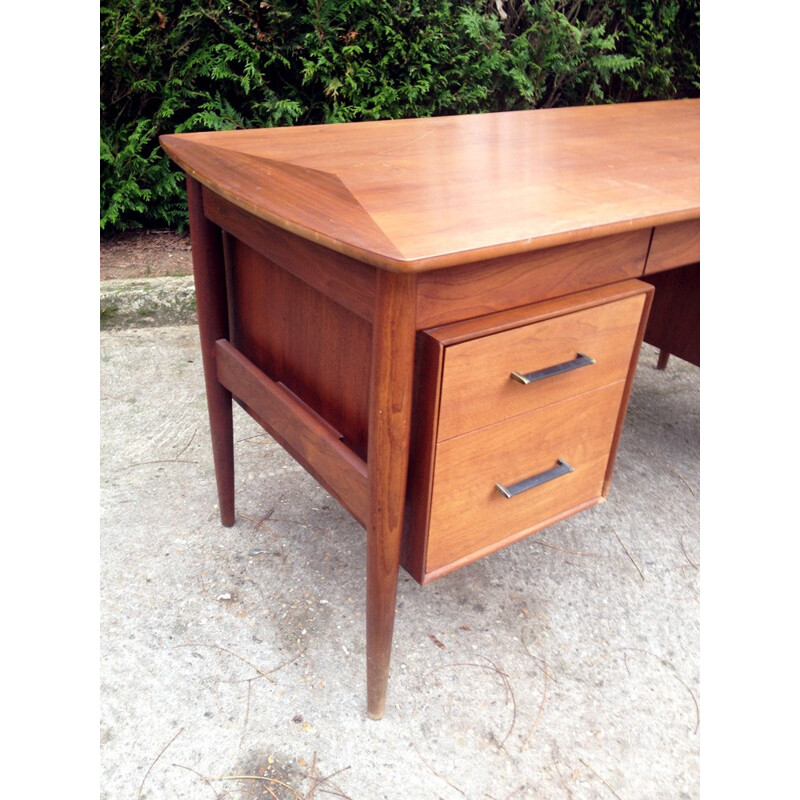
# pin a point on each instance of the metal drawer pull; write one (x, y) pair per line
(561, 468)
(579, 361)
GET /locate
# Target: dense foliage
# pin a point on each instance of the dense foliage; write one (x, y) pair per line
(183, 65)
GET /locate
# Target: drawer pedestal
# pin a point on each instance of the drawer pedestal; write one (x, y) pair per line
(481, 430)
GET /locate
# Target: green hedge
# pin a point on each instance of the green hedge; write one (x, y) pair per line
(169, 66)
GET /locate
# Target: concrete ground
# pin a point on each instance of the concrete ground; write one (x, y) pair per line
(232, 659)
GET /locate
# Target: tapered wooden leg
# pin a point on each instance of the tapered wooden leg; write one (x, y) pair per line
(387, 464)
(212, 318)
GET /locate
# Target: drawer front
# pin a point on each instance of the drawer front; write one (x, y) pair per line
(486, 287)
(469, 515)
(477, 387)
(674, 246)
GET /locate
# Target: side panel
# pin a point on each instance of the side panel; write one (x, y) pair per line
(302, 339)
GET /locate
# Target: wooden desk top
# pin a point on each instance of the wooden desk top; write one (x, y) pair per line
(419, 194)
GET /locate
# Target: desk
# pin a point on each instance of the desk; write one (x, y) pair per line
(440, 318)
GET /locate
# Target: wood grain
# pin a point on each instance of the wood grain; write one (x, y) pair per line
(674, 324)
(469, 514)
(212, 317)
(476, 386)
(427, 393)
(391, 393)
(349, 283)
(305, 340)
(420, 194)
(449, 295)
(321, 251)
(674, 246)
(308, 438)
(625, 303)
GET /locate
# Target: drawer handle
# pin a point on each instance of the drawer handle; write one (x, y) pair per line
(580, 360)
(561, 468)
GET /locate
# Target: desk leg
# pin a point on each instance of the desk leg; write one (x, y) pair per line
(212, 318)
(387, 464)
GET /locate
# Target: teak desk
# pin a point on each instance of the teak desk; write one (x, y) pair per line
(440, 318)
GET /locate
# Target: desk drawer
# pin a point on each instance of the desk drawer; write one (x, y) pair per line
(470, 516)
(477, 384)
(674, 245)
